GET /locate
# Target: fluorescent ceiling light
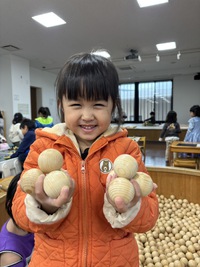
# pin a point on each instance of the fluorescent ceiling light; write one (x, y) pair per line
(49, 19)
(145, 3)
(101, 53)
(166, 46)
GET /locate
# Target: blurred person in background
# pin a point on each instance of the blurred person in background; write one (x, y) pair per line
(16, 245)
(27, 127)
(15, 133)
(44, 119)
(193, 132)
(151, 120)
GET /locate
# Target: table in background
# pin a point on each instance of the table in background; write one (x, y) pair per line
(152, 133)
(4, 183)
(183, 147)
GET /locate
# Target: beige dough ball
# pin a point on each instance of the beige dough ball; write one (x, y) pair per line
(125, 166)
(54, 182)
(121, 187)
(27, 182)
(50, 160)
(145, 182)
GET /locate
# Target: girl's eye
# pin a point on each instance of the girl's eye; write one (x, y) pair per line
(75, 105)
(100, 104)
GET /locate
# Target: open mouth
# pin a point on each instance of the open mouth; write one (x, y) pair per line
(88, 128)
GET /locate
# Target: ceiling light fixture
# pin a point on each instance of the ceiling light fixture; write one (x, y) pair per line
(157, 58)
(139, 58)
(145, 3)
(178, 55)
(49, 19)
(101, 52)
(166, 46)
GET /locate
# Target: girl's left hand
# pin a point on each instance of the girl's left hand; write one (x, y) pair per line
(119, 203)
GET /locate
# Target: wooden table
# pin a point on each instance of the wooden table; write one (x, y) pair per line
(4, 183)
(152, 133)
(183, 147)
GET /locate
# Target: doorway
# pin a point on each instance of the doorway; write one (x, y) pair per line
(36, 101)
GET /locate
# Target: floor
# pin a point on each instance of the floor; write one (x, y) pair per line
(155, 154)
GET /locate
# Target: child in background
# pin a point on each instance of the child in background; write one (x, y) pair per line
(27, 127)
(150, 121)
(193, 132)
(83, 227)
(170, 131)
(15, 134)
(16, 245)
(44, 119)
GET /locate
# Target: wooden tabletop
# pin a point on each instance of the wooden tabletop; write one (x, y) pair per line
(4, 183)
(185, 147)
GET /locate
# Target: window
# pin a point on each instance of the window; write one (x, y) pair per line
(127, 95)
(139, 99)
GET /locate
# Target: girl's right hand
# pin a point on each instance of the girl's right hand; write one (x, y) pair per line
(51, 205)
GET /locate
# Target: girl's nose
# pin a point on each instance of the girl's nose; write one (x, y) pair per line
(87, 114)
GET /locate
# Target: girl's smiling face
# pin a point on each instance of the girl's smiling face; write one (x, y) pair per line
(87, 119)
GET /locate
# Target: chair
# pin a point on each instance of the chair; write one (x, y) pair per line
(10, 167)
(186, 163)
(141, 140)
(142, 145)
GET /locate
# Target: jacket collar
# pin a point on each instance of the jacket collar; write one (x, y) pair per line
(59, 132)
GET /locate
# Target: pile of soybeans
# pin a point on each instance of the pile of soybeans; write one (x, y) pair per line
(175, 239)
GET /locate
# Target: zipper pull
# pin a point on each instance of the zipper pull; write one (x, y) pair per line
(83, 166)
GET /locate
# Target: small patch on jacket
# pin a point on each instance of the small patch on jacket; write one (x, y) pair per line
(105, 165)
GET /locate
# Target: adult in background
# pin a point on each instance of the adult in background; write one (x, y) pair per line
(44, 119)
(15, 133)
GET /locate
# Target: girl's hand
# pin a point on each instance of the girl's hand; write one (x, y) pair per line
(48, 204)
(119, 203)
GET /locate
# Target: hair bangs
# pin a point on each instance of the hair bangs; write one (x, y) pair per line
(87, 88)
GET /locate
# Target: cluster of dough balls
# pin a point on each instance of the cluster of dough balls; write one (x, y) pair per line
(126, 168)
(50, 162)
(175, 239)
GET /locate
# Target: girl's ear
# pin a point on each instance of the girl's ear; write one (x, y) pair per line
(60, 112)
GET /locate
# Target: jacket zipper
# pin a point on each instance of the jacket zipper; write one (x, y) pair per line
(84, 221)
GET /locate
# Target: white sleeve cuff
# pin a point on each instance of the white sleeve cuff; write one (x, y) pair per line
(36, 215)
(116, 219)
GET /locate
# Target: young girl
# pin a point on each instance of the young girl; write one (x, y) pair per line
(193, 132)
(83, 227)
(170, 131)
(16, 245)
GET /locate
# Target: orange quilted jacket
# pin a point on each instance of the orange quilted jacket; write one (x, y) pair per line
(84, 238)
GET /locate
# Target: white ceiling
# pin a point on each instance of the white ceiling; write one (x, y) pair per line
(116, 25)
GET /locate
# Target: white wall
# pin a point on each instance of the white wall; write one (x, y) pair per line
(14, 87)
(5, 84)
(186, 93)
(45, 80)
